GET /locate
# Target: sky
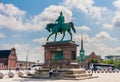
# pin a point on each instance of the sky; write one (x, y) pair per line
(23, 22)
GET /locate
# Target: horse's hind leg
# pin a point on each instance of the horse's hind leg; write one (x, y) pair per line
(70, 35)
(63, 36)
(55, 37)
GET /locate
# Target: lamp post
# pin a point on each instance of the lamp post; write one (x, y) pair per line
(27, 59)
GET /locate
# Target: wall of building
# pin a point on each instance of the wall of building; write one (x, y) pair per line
(12, 62)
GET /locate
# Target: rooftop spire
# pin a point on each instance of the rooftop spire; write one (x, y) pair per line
(81, 41)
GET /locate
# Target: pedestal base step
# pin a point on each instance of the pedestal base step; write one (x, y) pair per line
(81, 78)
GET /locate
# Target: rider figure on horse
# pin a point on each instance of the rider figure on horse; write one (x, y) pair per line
(60, 21)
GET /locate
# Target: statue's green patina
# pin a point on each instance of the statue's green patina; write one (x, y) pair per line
(60, 27)
(60, 21)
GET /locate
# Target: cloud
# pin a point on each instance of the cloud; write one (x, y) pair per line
(97, 43)
(7, 9)
(100, 37)
(52, 12)
(104, 35)
(116, 3)
(77, 38)
(116, 19)
(40, 40)
(83, 28)
(112, 19)
(102, 16)
(107, 26)
(117, 50)
(15, 19)
(103, 49)
(2, 35)
(17, 36)
(87, 7)
(11, 17)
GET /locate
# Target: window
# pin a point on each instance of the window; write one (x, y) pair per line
(73, 55)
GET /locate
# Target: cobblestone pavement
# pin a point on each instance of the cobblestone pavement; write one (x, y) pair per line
(102, 77)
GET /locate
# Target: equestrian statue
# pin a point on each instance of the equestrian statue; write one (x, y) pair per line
(60, 27)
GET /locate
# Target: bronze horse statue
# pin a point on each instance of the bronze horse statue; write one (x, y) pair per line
(52, 28)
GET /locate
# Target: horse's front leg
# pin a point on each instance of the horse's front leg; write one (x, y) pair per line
(70, 36)
(55, 37)
(63, 36)
(49, 36)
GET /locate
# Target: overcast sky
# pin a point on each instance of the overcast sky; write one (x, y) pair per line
(22, 25)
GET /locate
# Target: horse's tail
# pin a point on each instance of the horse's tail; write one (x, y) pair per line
(72, 26)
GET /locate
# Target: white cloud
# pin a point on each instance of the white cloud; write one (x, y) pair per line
(83, 28)
(104, 35)
(7, 9)
(107, 26)
(117, 50)
(103, 50)
(16, 36)
(86, 38)
(52, 12)
(98, 22)
(40, 40)
(11, 17)
(116, 3)
(76, 37)
(2, 35)
(97, 43)
(14, 18)
(86, 6)
(116, 19)
(100, 37)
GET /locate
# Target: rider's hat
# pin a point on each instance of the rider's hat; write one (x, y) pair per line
(61, 13)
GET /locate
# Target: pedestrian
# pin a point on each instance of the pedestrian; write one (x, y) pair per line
(50, 72)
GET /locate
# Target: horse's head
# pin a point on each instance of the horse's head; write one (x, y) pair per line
(48, 28)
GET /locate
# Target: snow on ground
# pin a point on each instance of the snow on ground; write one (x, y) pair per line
(102, 77)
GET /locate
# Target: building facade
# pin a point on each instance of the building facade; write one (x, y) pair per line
(8, 59)
(113, 57)
(92, 58)
(25, 64)
(85, 60)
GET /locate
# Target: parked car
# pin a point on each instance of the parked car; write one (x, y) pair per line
(36, 67)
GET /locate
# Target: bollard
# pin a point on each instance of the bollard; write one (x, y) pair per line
(10, 74)
(1, 75)
(20, 74)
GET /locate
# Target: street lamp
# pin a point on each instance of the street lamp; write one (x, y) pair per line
(27, 59)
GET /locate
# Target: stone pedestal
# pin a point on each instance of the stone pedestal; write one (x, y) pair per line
(60, 54)
(66, 74)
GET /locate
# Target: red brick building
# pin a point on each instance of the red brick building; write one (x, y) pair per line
(8, 59)
(90, 59)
